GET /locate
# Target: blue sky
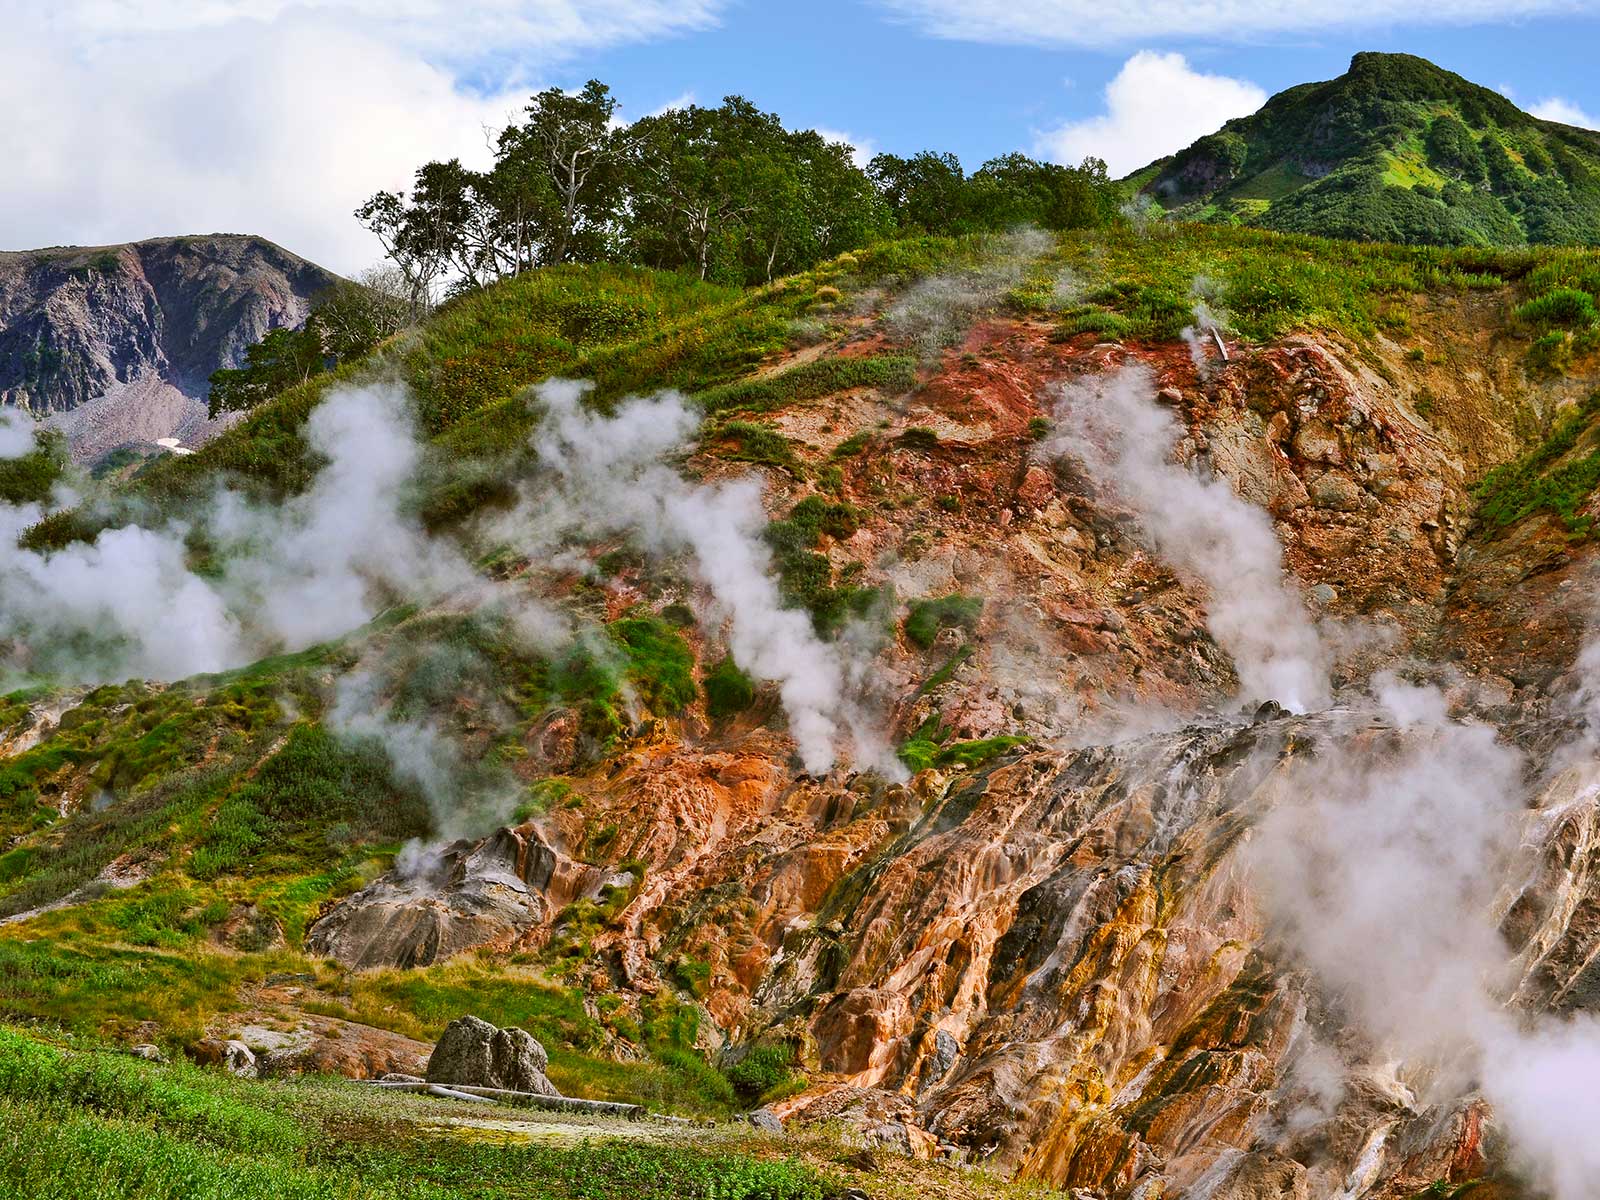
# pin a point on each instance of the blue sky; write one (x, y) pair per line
(854, 67)
(139, 118)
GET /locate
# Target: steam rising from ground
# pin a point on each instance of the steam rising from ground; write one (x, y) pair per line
(1381, 869)
(934, 312)
(1112, 425)
(611, 475)
(1209, 322)
(16, 433)
(129, 604)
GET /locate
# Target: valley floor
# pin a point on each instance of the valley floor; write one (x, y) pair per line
(79, 1121)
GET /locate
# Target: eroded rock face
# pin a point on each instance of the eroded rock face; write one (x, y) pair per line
(1056, 965)
(443, 901)
(475, 1053)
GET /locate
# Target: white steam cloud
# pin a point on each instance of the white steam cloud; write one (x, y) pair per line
(1125, 441)
(16, 433)
(611, 475)
(129, 604)
(1382, 875)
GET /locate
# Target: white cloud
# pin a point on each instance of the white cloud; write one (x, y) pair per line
(861, 149)
(1094, 23)
(126, 120)
(1564, 111)
(1156, 104)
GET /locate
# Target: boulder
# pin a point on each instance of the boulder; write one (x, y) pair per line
(231, 1055)
(329, 1046)
(474, 1053)
(766, 1121)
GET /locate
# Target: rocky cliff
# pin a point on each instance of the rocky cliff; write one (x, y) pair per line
(116, 343)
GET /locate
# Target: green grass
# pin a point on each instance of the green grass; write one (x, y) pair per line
(1546, 479)
(812, 380)
(1271, 283)
(77, 1123)
(927, 747)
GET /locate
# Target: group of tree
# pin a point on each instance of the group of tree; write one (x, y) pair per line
(345, 323)
(726, 192)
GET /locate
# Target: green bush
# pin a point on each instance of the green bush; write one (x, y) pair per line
(928, 617)
(760, 1070)
(728, 690)
(1564, 306)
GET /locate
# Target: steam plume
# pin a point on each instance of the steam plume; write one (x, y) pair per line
(1382, 876)
(610, 474)
(128, 603)
(16, 433)
(1112, 425)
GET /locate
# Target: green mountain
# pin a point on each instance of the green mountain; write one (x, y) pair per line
(1395, 149)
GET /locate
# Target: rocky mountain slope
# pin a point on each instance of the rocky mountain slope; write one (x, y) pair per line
(116, 343)
(996, 717)
(1396, 149)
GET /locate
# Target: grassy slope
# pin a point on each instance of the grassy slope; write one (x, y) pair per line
(1395, 150)
(185, 794)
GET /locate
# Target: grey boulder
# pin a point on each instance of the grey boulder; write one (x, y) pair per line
(474, 1053)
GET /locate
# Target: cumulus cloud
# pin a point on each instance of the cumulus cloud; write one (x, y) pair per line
(861, 149)
(1565, 112)
(1156, 105)
(1089, 23)
(274, 118)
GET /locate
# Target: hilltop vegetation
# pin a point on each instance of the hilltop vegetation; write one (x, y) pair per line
(1394, 150)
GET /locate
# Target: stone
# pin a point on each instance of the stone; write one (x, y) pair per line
(1334, 491)
(230, 1055)
(766, 1121)
(474, 1053)
(331, 1046)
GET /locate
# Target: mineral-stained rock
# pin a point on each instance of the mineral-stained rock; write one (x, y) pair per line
(330, 1046)
(475, 1053)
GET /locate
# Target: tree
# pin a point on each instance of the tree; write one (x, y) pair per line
(559, 171)
(927, 192)
(353, 316)
(694, 175)
(347, 322)
(283, 358)
(425, 235)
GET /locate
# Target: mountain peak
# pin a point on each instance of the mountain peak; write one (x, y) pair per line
(115, 344)
(1395, 149)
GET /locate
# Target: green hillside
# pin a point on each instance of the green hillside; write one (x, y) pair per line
(1397, 150)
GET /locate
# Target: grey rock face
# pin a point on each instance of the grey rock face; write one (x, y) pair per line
(456, 897)
(477, 1054)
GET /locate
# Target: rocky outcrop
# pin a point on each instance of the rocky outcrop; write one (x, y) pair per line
(117, 343)
(445, 900)
(330, 1046)
(473, 1053)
